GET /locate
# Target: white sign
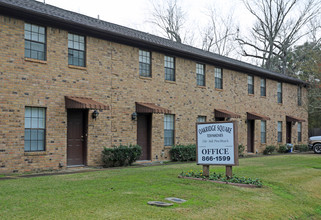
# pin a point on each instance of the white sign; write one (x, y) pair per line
(216, 144)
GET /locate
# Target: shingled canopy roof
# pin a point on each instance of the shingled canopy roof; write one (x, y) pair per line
(73, 102)
(256, 116)
(294, 119)
(222, 113)
(49, 15)
(150, 108)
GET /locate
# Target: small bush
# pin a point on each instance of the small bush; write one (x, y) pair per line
(269, 149)
(241, 150)
(283, 149)
(183, 152)
(301, 148)
(121, 156)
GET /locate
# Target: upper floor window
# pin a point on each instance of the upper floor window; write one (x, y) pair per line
(169, 68)
(76, 50)
(250, 84)
(201, 119)
(299, 131)
(144, 63)
(200, 74)
(279, 91)
(35, 129)
(263, 87)
(218, 78)
(299, 95)
(35, 42)
(279, 131)
(169, 129)
(263, 132)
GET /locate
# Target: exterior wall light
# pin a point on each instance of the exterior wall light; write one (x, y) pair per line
(95, 114)
(134, 116)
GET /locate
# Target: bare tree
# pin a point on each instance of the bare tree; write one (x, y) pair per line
(314, 28)
(220, 33)
(169, 17)
(279, 25)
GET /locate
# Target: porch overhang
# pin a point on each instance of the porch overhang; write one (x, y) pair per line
(222, 113)
(294, 119)
(73, 102)
(256, 116)
(150, 108)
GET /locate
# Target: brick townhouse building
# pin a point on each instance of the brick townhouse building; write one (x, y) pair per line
(71, 85)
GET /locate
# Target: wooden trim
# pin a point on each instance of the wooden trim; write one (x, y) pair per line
(146, 77)
(171, 82)
(77, 67)
(35, 60)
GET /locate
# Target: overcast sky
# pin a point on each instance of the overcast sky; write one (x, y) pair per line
(135, 13)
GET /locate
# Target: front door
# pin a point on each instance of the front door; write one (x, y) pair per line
(250, 136)
(288, 132)
(76, 137)
(144, 131)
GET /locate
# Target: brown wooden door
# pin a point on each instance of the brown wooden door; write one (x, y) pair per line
(250, 136)
(288, 132)
(76, 137)
(144, 131)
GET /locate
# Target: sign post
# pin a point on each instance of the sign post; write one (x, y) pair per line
(217, 144)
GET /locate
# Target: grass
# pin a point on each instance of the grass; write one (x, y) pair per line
(292, 190)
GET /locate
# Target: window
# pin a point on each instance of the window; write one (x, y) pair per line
(250, 84)
(144, 63)
(169, 68)
(279, 131)
(218, 78)
(200, 74)
(263, 132)
(263, 87)
(299, 132)
(279, 92)
(76, 50)
(299, 96)
(201, 119)
(35, 129)
(168, 130)
(35, 42)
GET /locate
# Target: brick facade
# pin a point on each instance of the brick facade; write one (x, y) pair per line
(111, 77)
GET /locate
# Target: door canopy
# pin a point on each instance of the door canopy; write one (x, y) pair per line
(73, 102)
(256, 116)
(150, 108)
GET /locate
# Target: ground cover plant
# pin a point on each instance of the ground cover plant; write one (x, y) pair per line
(291, 190)
(221, 177)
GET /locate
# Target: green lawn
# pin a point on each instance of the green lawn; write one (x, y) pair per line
(292, 190)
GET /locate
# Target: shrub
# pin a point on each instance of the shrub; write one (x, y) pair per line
(301, 148)
(269, 149)
(183, 152)
(241, 150)
(283, 149)
(121, 156)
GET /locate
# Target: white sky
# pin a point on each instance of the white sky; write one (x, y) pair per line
(135, 13)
